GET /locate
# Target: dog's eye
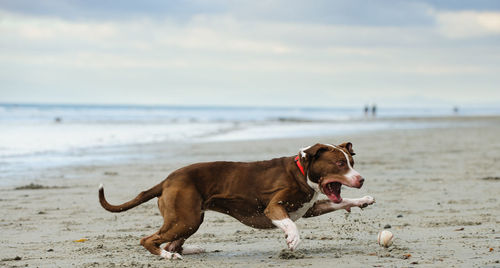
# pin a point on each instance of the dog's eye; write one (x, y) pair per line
(339, 163)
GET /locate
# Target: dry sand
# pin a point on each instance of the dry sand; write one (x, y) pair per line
(437, 189)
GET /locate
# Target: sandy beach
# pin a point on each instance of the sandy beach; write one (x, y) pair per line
(437, 190)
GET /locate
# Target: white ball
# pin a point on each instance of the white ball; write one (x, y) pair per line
(385, 238)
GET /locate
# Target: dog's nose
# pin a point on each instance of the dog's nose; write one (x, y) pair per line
(360, 181)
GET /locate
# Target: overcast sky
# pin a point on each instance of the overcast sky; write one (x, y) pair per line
(283, 53)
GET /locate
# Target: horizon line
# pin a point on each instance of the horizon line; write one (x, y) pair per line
(157, 105)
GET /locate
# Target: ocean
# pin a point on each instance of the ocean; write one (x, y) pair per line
(36, 136)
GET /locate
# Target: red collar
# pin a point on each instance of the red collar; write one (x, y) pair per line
(297, 161)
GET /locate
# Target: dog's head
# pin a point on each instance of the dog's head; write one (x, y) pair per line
(328, 167)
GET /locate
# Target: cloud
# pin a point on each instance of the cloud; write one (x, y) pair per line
(468, 24)
(232, 51)
(344, 12)
(220, 42)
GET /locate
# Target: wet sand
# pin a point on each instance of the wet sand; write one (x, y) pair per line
(436, 190)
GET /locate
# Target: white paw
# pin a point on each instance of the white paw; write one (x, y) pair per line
(366, 201)
(292, 240)
(170, 255)
(291, 232)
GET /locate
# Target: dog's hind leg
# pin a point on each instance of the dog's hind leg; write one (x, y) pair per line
(179, 247)
(181, 211)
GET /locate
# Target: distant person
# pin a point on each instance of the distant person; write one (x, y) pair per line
(367, 109)
(374, 110)
(58, 119)
(455, 110)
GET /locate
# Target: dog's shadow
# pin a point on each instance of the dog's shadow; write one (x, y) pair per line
(286, 254)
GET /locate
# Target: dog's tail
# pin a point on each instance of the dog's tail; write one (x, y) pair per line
(139, 199)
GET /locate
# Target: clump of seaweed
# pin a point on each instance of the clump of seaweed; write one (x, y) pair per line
(34, 186)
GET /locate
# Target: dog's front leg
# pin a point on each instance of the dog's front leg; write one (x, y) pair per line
(279, 217)
(325, 206)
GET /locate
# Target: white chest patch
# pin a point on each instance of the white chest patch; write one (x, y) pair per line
(295, 215)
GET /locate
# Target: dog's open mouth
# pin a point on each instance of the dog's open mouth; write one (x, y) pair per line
(332, 190)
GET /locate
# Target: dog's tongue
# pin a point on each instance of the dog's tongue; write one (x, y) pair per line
(333, 192)
(335, 198)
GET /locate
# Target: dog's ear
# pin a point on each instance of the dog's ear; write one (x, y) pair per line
(348, 147)
(315, 150)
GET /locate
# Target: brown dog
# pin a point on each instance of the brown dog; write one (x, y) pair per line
(264, 194)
